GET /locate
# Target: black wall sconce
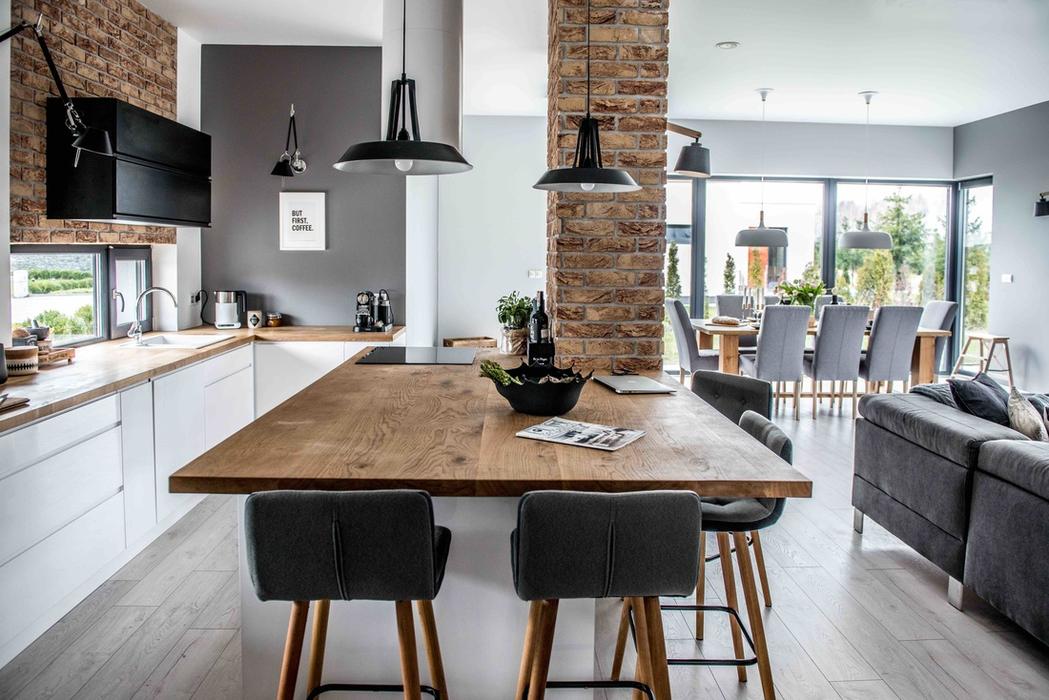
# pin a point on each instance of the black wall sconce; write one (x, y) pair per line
(290, 164)
(694, 159)
(85, 138)
(1041, 207)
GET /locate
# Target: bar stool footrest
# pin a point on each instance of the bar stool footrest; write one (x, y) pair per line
(589, 685)
(368, 688)
(715, 662)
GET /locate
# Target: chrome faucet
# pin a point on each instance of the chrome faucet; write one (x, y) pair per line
(136, 326)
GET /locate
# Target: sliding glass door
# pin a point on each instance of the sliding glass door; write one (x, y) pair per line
(975, 208)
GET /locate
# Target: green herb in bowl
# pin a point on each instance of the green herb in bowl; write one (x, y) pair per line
(494, 371)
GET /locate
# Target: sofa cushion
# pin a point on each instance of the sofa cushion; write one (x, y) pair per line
(1025, 418)
(943, 430)
(940, 393)
(1025, 464)
(977, 399)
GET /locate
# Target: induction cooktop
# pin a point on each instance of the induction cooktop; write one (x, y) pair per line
(393, 355)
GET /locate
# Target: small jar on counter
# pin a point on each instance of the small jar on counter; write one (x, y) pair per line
(274, 319)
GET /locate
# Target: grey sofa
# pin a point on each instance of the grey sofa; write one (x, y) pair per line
(970, 495)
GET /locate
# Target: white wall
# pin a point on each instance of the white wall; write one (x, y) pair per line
(5, 179)
(177, 267)
(421, 294)
(822, 150)
(493, 224)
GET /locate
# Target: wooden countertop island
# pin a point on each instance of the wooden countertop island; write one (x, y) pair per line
(446, 430)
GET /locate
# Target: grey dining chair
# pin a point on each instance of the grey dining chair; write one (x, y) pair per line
(781, 348)
(690, 357)
(304, 546)
(821, 301)
(891, 345)
(771, 299)
(732, 305)
(836, 355)
(939, 315)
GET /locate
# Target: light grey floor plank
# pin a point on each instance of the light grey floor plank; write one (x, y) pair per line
(223, 681)
(955, 670)
(48, 646)
(222, 558)
(864, 690)
(183, 670)
(223, 611)
(144, 650)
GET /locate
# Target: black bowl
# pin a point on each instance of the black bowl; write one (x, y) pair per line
(549, 399)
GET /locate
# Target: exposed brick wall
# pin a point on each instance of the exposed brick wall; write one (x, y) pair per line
(103, 48)
(605, 251)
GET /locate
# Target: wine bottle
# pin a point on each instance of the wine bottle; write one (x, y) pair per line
(538, 322)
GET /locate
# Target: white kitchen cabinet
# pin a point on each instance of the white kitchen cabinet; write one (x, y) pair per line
(136, 448)
(178, 430)
(229, 405)
(283, 369)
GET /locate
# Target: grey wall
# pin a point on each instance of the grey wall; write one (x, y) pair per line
(1014, 149)
(246, 91)
(821, 150)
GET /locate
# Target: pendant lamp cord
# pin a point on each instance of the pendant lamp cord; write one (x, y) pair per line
(404, 60)
(764, 148)
(867, 157)
(588, 58)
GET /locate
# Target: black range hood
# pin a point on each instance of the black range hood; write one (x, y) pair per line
(159, 175)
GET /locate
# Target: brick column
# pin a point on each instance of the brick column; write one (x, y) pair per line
(605, 251)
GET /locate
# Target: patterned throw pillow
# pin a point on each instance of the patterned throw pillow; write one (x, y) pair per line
(1024, 417)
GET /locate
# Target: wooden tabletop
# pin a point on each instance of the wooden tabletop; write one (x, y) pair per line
(704, 325)
(103, 368)
(446, 430)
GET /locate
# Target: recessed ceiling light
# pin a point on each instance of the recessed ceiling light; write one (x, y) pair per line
(726, 45)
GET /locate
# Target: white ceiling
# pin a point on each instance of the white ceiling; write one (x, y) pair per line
(276, 22)
(934, 62)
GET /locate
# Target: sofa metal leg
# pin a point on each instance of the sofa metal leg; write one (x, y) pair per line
(955, 592)
(857, 520)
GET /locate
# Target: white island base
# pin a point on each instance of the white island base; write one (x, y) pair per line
(480, 621)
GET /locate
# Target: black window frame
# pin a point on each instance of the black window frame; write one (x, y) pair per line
(104, 301)
(828, 241)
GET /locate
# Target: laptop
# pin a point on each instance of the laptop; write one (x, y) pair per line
(632, 384)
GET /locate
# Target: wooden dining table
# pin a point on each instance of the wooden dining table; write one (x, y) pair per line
(923, 359)
(445, 429)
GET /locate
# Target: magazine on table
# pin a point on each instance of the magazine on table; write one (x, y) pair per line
(568, 432)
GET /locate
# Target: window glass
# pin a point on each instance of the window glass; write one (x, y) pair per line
(678, 260)
(976, 258)
(913, 272)
(59, 290)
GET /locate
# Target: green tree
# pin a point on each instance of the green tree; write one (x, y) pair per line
(909, 237)
(730, 274)
(977, 270)
(876, 278)
(812, 274)
(673, 274)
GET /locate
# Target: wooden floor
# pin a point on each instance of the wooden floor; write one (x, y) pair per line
(855, 617)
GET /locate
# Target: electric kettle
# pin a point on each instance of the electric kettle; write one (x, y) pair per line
(229, 306)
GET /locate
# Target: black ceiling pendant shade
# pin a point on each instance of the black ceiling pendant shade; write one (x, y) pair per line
(403, 152)
(694, 159)
(290, 164)
(85, 138)
(587, 173)
(1041, 207)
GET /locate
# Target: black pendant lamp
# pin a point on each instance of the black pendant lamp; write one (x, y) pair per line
(694, 159)
(403, 153)
(289, 164)
(586, 173)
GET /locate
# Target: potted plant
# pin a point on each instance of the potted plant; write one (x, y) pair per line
(801, 293)
(514, 310)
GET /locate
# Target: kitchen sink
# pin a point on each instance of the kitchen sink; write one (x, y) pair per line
(171, 341)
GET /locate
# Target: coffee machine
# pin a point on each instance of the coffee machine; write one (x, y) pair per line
(229, 307)
(374, 312)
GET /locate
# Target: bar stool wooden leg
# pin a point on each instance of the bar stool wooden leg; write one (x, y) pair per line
(544, 644)
(797, 400)
(317, 641)
(643, 670)
(701, 583)
(621, 635)
(757, 625)
(1008, 362)
(658, 655)
(759, 559)
(432, 645)
(815, 398)
(289, 667)
(731, 600)
(535, 612)
(409, 658)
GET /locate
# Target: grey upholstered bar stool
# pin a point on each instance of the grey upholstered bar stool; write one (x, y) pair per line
(836, 356)
(637, 546)
(735, 516)
(939, 315)
(781, 347)
(321, 546)
(690, 357)
(891, 346)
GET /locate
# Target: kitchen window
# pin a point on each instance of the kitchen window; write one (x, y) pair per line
(70, 289)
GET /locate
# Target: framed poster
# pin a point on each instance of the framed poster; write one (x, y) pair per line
(302, 223)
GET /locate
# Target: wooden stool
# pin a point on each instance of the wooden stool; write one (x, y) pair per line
(988, 344)
(321, 546)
